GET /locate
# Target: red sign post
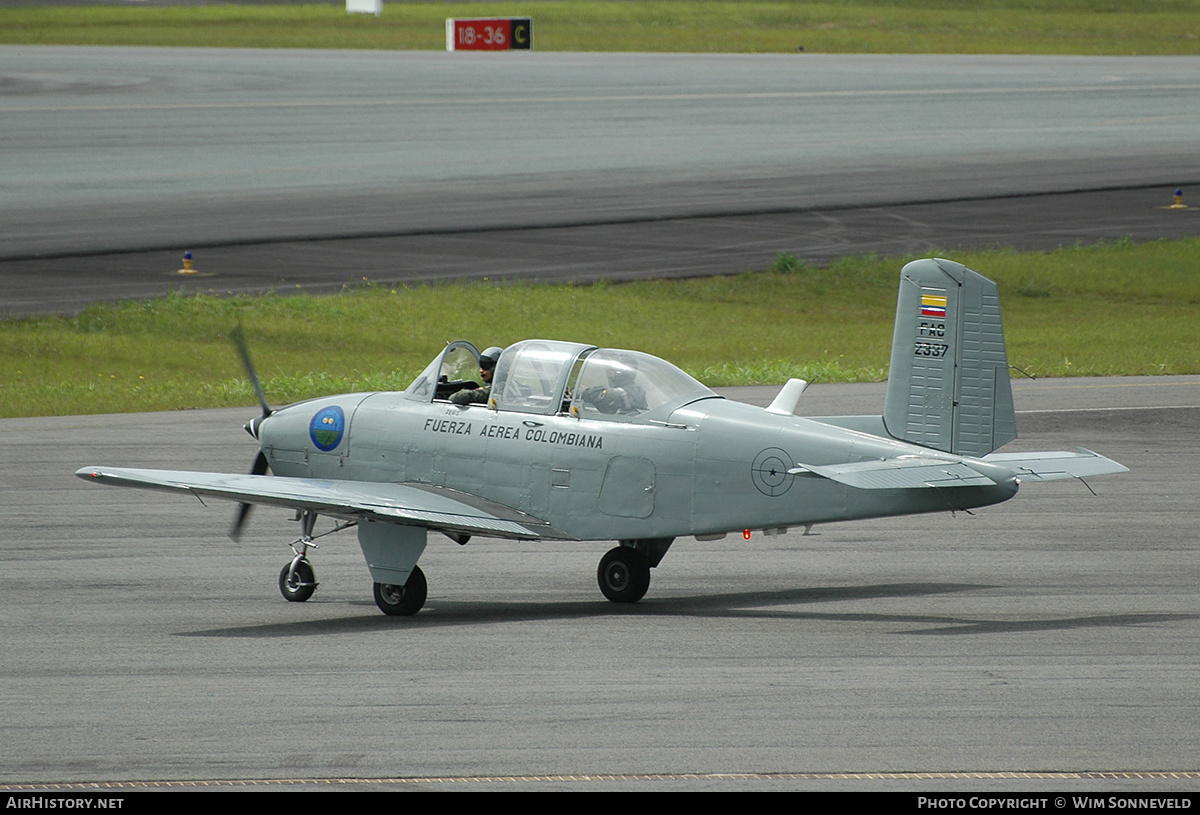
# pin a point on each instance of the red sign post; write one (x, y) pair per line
(499, 34)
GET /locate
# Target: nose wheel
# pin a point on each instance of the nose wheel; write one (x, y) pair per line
(297, 581)
(624, 575)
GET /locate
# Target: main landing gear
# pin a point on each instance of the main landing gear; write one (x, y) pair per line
(624, 573)
(402, 601)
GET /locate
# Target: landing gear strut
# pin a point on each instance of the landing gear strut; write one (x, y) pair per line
(402, 601)
(298, 581)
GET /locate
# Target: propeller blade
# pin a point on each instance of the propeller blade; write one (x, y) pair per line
(239, 339)
(260, 467)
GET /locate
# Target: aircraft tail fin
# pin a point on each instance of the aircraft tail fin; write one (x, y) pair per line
(948, 385)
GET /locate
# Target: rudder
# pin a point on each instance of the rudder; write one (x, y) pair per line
(948, 385)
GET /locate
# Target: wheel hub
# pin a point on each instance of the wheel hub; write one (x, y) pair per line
(617, 576)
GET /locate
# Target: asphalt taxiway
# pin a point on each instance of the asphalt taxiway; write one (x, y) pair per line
(313, 170)
(1056, 633)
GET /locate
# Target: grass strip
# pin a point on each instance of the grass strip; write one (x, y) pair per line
(1110, 27)
(1100, 310)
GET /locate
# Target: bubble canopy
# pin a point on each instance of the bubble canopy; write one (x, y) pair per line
(553, 377)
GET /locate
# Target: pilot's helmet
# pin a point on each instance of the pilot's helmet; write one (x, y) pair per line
(489, 358)
(623, 371)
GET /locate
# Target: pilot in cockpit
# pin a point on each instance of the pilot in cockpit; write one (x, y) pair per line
(623, 394)
(487, 369)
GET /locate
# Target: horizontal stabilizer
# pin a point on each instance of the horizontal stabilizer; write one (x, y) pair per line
(906, 472)
(407, 504)
(1050, 466)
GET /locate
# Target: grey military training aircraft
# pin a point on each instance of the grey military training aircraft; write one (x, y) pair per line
(581, 443)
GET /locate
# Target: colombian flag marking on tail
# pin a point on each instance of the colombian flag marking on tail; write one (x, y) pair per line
(933, 305)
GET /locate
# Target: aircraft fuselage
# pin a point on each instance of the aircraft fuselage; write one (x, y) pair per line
(714, 466)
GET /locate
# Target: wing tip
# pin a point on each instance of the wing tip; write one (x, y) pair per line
(1115, 466)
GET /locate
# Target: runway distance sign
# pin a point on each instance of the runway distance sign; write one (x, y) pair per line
(498, 34)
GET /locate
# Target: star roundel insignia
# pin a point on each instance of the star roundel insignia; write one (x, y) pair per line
(770, 472)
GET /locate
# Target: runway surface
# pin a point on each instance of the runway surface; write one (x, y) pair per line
(285, 169)
(1059, 632)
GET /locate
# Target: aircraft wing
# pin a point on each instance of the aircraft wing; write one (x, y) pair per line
(421, 505)
(1051, 466)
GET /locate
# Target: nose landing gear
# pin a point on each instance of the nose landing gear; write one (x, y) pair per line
(297, 580)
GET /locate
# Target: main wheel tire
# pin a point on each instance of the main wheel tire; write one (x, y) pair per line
(624, 575)
(402, 601)
(298, 587)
